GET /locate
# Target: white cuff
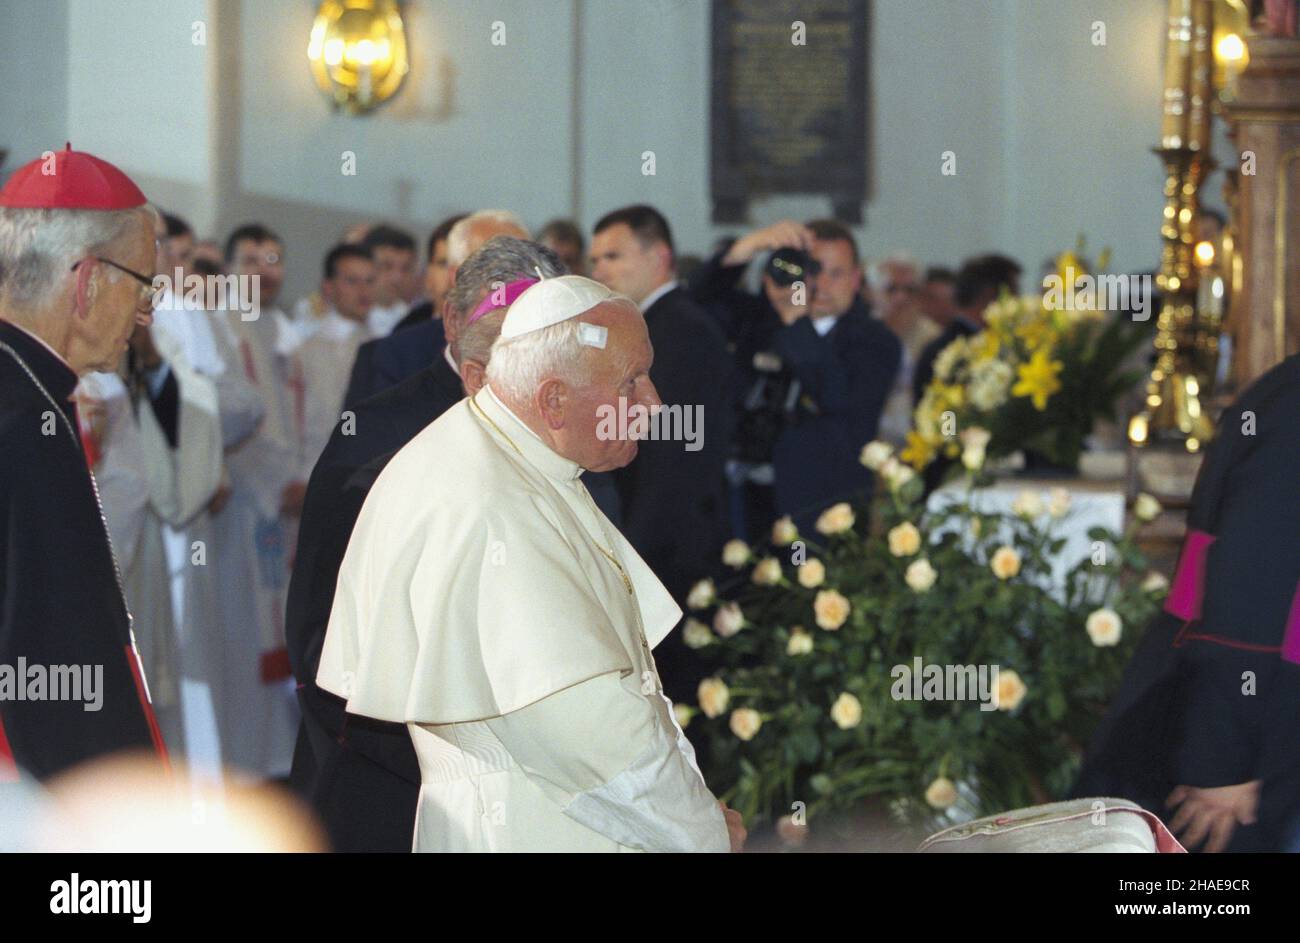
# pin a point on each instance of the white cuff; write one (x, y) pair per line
(659, 803)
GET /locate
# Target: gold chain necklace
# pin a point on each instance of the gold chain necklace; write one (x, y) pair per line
(94, 485)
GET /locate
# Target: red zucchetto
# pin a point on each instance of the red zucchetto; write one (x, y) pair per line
(70, 180)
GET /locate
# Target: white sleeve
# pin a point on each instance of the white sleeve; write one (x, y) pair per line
(610, 757)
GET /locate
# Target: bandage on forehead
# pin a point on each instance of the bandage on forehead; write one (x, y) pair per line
(502, 297)
(592, 335)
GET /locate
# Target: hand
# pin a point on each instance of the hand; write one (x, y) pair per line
(145, 351)
(735, 828)
(219, 499)
(782, 299)
(1213, 812)
(291, 500)
(782, 235)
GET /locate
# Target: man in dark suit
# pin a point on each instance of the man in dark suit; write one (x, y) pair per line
(437, 277)
(673, 495)
(1205, 720)
(834, 361)
(978, 283)
(387, 361)
(77, 260)
(361, 775)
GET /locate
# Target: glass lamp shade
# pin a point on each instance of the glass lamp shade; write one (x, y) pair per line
(358, 52)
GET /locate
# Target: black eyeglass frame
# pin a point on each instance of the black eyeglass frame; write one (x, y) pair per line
(142, 279)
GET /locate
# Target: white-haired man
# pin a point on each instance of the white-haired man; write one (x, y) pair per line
(383, 363)
(489, 605)
(893, 289)
(76, 271)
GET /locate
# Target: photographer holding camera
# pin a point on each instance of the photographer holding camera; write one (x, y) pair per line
(813, 371)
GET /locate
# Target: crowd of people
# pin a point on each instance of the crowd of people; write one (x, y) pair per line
(235, 442)
(378, 543)
(791, 380)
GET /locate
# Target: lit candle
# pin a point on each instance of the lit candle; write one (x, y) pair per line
(1202, 69)
(1178, 64)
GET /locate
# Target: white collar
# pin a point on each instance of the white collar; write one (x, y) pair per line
(655, 295)
(531, 447)
(824, 324)
(451, 361)
(382, 320)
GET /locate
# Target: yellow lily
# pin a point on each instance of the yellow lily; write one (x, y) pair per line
(918, 452)
(1038, 379)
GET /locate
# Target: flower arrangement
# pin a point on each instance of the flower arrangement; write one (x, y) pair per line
(1039, 375)
(821, 702)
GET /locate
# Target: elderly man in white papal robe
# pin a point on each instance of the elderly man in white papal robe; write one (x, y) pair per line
(487, 603)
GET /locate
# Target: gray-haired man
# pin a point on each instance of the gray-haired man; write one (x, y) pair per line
(362, 775)
(76, 282)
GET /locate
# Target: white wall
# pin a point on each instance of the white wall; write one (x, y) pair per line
(137, 93)
(1052, 134)
(33, 79)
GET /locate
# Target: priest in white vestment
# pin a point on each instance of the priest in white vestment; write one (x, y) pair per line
(255, 533)
(489, 605)
(325, 357)
(146, 481)
(189, 337)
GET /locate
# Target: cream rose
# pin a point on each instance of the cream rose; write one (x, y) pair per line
(904, 540)
(1155, 583)
(846, 711)
(728, 620)
(1104, 627)
(896, 474)
(831, 608)
(972, 459)
(696, 634)
(835, 519)
(975, 437)
(1028, 505)
(784, 532)
(1146, 508)
(812, 574)
(713, 696)
(735, 554)
(1011, 690)
(683, 713)
(1058, 502)
(745, 722)
(701, 595)
(875, 454)
(1005, 563)
(920, 576)
(801, 643)
(941, 793)
(767, 572)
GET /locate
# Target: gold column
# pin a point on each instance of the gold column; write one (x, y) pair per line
(1184, 367)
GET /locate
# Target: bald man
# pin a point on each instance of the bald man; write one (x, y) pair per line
(385, 362)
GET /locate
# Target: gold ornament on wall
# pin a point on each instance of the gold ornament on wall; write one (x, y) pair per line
(358, 52)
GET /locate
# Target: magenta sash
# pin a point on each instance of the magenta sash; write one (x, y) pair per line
(1188, 589)
(1291, 641)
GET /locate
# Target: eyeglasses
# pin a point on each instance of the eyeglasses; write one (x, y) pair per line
(146, 292)
(266, 258)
